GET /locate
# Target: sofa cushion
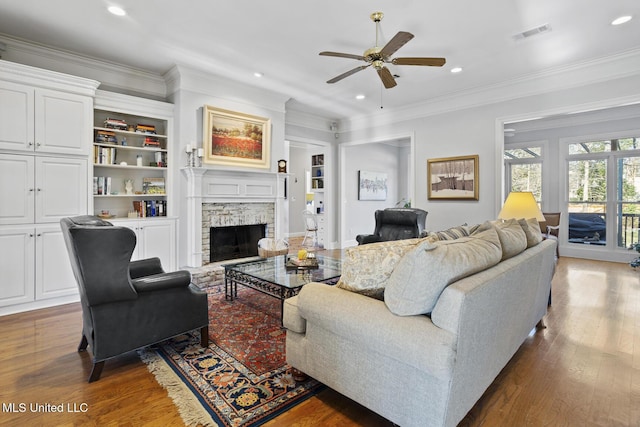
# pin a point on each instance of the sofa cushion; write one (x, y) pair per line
(366, 268)
(512, 237)
(531, 228)
(421, 275)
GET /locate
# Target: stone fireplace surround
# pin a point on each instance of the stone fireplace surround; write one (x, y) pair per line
(217, 197)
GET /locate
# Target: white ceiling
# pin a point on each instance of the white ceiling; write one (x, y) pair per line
(282, 39)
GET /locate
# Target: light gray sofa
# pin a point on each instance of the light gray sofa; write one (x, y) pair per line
(421, 370)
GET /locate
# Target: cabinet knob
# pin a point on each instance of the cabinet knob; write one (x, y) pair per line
(38, 189)
(30, 234)
(31, 190)
(30, 144)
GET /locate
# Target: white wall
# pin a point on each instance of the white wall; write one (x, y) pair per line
(478, 130)
(372, 157)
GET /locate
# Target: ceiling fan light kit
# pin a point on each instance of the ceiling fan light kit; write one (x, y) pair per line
(378, 56)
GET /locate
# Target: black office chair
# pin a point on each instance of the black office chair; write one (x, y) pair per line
(127, 305)
(396, 224)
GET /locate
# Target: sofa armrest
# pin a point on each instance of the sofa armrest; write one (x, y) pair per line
(291, 318)
(363, 239)
(157, 282)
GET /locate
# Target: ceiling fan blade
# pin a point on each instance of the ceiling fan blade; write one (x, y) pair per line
(347, 74)
(432, 62)
(343, 55)
(387, 79)
(396, 43)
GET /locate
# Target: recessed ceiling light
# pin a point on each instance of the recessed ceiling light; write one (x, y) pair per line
(360, 96)
(456, 69)
(621, 20)
(258, 74)
(118, 11)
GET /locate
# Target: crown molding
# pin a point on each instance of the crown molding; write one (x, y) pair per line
(19, 73)
(180, 78)
(109, 74)
(605, 69)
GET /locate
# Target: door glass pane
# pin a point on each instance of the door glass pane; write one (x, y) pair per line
(527, 177)
(628, 215)
(587, 201)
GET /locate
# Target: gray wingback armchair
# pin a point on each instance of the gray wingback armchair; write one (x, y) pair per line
(396, 224)
(127, 305)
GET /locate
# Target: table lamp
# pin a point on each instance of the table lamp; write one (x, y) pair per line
(520, 204)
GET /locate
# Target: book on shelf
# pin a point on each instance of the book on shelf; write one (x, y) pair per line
(151, 141)
(104, 155)
(101, 185)
(153, 186)
(142, 128)
(150, 208)
(106, 136)
(118, 124)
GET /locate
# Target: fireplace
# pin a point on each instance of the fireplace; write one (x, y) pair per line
(237, 241)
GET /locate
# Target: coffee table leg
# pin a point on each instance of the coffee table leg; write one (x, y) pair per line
(228, 288)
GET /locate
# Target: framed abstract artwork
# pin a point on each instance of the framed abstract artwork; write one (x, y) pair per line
(236, 139)
(453, 178)
(372, 185)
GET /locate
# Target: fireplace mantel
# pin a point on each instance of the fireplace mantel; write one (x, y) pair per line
(206, 185)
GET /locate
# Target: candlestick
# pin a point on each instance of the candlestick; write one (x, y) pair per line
(200, 152)
(188, 148)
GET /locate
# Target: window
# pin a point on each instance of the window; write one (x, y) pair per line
(523, 168)
(604, 178)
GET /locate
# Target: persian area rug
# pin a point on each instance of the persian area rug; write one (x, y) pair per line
(242, 378)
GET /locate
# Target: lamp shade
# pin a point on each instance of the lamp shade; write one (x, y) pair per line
(521, 204)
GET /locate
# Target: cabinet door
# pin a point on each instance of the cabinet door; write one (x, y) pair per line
(16, 265)
(61, 188)
(17, 189)
(54, 276)
(157, 238)
(63, 122)
(16, 117)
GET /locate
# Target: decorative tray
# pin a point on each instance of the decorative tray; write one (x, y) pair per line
(301, 264)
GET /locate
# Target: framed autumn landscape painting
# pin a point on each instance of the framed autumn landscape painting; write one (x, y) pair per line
(236, 139)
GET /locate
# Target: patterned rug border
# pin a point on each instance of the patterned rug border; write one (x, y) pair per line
(199, 401)
(190, 407)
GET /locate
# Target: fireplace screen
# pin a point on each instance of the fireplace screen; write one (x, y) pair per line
(237, 241)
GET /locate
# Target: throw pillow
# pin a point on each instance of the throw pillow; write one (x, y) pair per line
(531, 228)
(423, 273)
(512, 237)
(366, 268)
(451, 233)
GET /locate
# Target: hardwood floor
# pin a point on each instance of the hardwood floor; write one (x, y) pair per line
(583, 370)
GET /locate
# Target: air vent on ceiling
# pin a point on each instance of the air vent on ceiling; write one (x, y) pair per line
(532, 32)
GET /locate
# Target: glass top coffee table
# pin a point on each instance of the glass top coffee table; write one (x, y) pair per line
(271, 276)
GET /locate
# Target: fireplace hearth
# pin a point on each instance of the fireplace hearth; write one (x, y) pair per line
(236, 241)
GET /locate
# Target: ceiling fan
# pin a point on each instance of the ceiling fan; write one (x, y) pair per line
(378, 56)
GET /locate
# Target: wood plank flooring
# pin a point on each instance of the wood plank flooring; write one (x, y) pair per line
(583, 370)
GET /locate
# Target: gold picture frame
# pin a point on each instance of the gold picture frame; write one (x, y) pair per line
(453, 178)
(236, 139)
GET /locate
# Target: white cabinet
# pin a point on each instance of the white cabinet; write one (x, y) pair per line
(154, 238)
(41, 189)
(44, 120)
(34, 265)
(17, 263)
